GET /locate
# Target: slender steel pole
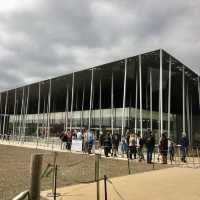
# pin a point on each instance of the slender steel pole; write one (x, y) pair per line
(17, 120)
(5, 113)
(151, 107)
(136, 102)
(188, 114)
(146, 96)
(82, 108)
(72, 102)
(21, 113)
(91, 94)
(26, 112)
(112, 116)
(183, 96)
(14, 113)
(169, 97)
(140, 79)
(43, 117)
(38, 113)
(159, 124)
(161, 92)
(66, 109)
(49, 109)
(100, 111)
(76, 107)
(124, 97)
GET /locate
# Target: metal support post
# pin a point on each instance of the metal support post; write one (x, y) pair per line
(161, 92)
(124, 97)
(72, 102)
(91, 94)
(66, 109)
(5, 113)
(169, 98)
(38, 113)
(14, 113)
(112, 99)
(140, 79)
(151, 101)
(183, 96)
(136, 103)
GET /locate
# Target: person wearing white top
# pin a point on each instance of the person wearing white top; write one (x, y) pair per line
(79, 135)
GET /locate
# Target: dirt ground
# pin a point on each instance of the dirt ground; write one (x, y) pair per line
(72, 169)
(166, 184)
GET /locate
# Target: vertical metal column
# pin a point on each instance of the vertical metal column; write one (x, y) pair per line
(49, 110)
(124, 97)
(183, 95)
(136, 102)
(66, 109)
(72, 102)
(5, 113)
(14, 113)
(100, 112)
(169, 98)
(140, 77)
(161, 92)
(151, 107)
(92, 113)
(21, 113)
(82, 108)
(188, 115)
(43, 117)
(38, 113)
(26, 112)
(112, 116)
(91, 94)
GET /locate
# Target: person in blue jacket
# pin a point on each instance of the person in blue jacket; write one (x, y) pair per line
(90, 140)
(184, 142)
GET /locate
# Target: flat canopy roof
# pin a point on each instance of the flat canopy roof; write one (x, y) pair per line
(188, 70)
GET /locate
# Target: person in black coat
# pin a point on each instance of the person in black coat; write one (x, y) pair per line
(115, 143)
(107, 144)
(150, 144)
(164, 147)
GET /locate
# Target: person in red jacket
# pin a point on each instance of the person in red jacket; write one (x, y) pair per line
(164, 147)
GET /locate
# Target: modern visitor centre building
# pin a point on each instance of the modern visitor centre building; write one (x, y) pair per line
(149, 91)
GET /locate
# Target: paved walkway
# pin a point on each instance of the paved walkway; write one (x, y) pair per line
(166, 184)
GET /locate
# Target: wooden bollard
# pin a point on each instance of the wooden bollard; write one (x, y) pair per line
(36, 167)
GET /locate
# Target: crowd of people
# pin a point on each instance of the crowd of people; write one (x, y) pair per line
(130, 144)
(87, 137)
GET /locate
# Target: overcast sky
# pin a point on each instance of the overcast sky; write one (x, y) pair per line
(40, 39)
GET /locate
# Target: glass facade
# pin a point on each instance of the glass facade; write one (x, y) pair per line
(152, 91)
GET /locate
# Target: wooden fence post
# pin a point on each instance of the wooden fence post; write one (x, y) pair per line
(36, 167)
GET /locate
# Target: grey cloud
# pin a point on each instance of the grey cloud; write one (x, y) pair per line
(58, 37)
